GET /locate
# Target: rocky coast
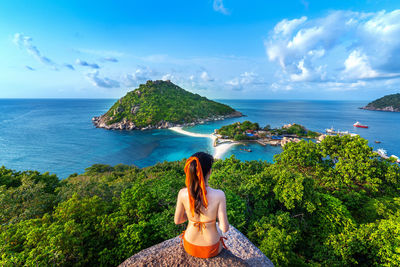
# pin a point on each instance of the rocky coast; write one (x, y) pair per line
(125, 124)
(387, 108)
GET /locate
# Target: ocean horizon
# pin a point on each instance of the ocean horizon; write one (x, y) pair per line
(56, 135)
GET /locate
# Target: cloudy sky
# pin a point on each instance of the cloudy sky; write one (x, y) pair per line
(260, 49)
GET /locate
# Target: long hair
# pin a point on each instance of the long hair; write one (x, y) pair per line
(206, 161)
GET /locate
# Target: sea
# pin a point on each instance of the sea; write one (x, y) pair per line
(57, 135)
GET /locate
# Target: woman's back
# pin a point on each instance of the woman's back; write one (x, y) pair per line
(201, 229)
(202, 206)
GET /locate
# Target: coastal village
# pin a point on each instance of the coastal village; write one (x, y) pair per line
(251, 132)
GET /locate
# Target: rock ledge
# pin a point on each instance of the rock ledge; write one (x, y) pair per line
(101, 122)
(170, 253)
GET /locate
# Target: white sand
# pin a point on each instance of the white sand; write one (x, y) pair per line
(219, 150)
(181, 131)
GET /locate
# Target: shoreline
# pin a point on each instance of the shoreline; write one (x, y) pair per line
(386, 109)
(219, 149)
(101, 122)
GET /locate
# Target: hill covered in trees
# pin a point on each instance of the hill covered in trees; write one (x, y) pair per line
(161, 104)
(334, 203)
(237, 131)
(386, 103)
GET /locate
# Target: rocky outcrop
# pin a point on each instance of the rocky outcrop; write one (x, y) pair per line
(241, 252)
(388, 108)
(101, 122)
(135, 109)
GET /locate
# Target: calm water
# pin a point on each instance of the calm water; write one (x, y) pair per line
(57, 135)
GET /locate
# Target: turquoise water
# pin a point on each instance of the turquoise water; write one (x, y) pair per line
(57, 135)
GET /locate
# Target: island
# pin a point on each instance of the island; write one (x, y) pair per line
(247, 131)
(387, 103)
(160, 105)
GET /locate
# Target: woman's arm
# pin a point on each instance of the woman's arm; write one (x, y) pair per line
(223, 223)
(180, 214)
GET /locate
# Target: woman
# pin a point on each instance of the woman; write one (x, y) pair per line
(201, 205)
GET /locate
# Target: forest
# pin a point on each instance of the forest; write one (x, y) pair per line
(334, 203)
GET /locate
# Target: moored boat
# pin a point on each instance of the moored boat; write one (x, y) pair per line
(359, 125)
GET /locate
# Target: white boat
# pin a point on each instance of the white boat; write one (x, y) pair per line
(331, 130)
(382, 152)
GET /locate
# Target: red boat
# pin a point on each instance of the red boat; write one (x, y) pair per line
(359, 125)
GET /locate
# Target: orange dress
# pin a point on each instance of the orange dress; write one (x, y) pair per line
(201, 251)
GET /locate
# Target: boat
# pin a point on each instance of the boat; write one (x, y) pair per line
(377, 142)
(382, 152)
(330, 131)
(246, 149)
(359, 125)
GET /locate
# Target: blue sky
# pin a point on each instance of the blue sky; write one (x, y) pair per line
(260, 49)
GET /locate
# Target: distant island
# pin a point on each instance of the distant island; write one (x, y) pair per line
(159, 105)
(248, 131)
(386, 103)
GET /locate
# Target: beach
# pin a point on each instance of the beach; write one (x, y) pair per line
(219, 149)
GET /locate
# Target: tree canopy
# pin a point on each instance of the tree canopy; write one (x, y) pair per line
(334, 203)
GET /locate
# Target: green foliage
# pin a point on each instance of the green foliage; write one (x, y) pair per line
(237, 130)
(295, 129)
(25, 195)
(334, 203)
(163, 101)
(277, 236)
(386, 101)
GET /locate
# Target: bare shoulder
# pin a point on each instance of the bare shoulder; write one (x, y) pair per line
(218, 193)
(182, 193)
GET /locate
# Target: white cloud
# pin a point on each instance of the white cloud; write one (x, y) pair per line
(286, 27)
(105, 82)
(244, 79)
(24, 41)
(304, 74)
(167, 76)
(218, 6)
(205, 77)
(140, 75)
(344, 86)
(277, 86)
(342, 46)
(357, 66)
